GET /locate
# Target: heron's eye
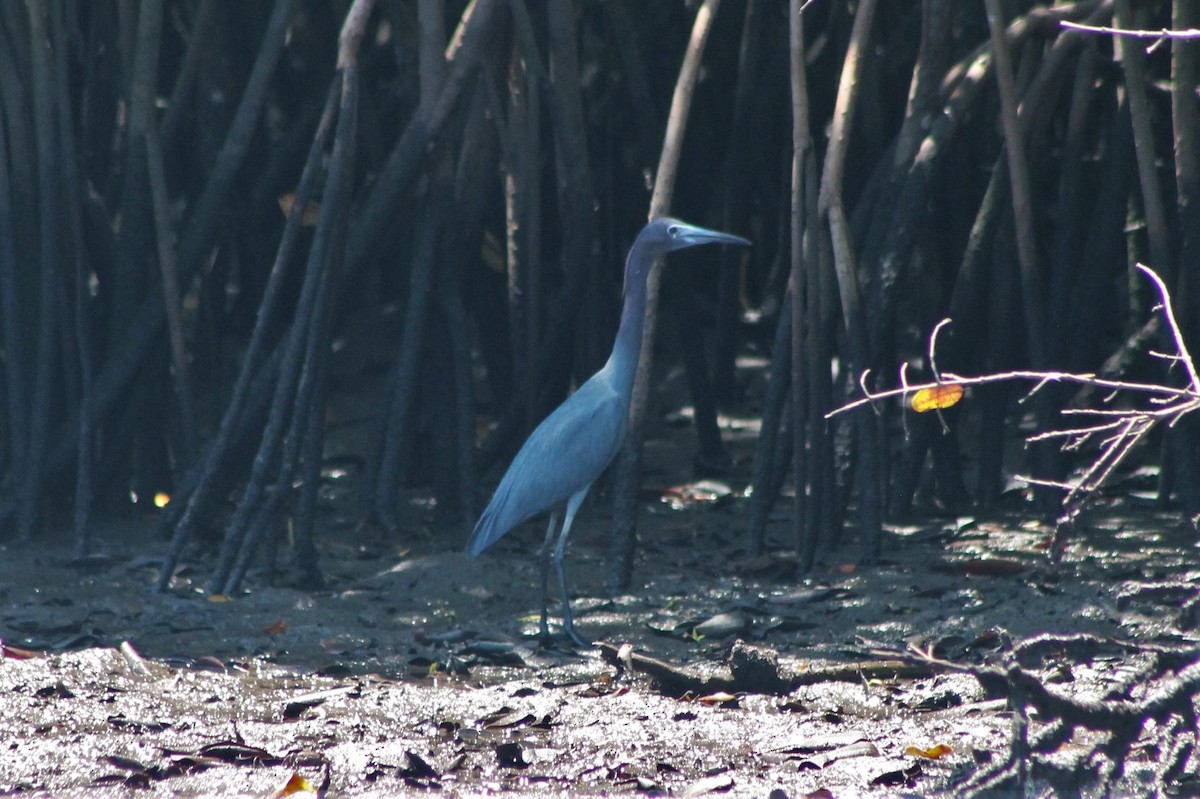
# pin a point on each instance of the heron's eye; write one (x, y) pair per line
(674, 231)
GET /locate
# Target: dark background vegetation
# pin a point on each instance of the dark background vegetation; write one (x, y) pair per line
(462, 186)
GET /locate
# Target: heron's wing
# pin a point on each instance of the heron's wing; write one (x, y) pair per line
(565, 454)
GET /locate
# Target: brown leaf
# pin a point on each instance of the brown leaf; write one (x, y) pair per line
(991, 567)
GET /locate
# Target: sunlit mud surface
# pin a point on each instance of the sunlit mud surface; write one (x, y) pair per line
(415, 669)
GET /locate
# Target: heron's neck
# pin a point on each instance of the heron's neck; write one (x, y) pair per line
(627, 349)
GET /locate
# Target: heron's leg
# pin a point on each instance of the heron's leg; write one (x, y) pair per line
(544, 563)
(559, 550)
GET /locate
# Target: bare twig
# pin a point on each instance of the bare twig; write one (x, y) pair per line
(1162, 33)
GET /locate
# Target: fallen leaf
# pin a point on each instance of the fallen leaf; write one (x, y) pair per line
(647, 785)
(720, 698)
(58, 690)
(511, 755)
(234, 752)
(721, 626)
(296, 783)
(894, 779)
(991, 567)
(416, 767)
(506, 717)
(712, 784)
(709, 493)
(932, 753)
(16, 653)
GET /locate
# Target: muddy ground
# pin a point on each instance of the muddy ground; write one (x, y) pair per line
(415, 670)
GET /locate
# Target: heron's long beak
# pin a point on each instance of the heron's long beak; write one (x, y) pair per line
(690, 236)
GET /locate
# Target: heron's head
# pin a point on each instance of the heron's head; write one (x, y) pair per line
(665, 235)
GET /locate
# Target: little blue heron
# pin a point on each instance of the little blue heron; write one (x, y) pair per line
(573, 446)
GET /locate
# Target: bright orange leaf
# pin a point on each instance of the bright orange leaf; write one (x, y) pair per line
(932, 753)
(936, 398)
(297, 783)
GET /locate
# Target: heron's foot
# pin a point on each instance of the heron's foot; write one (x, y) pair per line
(566, 640)
(576, 638)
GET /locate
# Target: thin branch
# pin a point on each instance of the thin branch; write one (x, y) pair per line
(1162, 33)
(1176, 333)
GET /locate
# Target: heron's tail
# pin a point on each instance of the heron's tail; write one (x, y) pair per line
(488, 530)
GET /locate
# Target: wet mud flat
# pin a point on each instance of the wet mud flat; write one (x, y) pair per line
(415, 670)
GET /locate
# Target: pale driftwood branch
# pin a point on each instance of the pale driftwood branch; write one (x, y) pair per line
(1163, 33)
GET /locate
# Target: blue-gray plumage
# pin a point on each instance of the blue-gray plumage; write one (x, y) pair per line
(573, 445)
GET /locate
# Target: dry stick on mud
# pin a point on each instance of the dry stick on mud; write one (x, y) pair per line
(629, 461)
(757, 669)
(1117, 431)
